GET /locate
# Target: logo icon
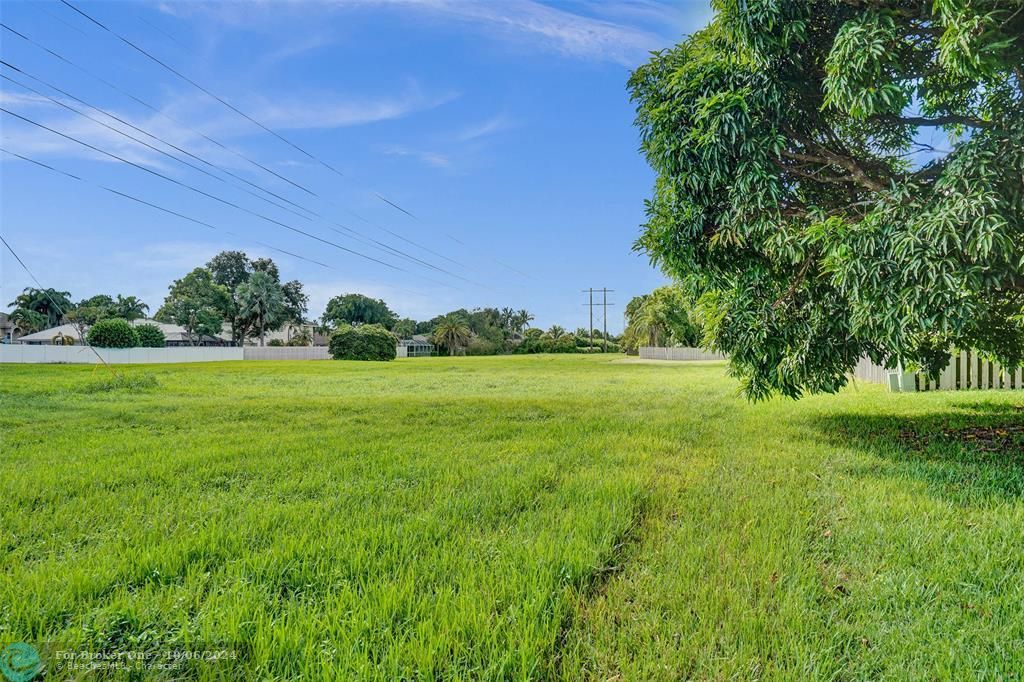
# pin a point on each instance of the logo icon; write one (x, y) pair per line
(20, 662)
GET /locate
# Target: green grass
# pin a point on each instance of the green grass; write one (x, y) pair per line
(510, 518)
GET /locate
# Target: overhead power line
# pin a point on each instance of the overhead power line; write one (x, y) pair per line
(242, 156)
(55, 304)
(203, 193)
(160, 208)
(348, 231)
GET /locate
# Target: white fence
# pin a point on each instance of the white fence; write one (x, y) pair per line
(24, 353)
(82, 355)
(659, 353)
(966, 371)
(286, 353)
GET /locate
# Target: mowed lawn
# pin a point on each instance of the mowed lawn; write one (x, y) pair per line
(528, 517)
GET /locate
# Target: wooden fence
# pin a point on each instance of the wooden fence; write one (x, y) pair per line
(966, 371)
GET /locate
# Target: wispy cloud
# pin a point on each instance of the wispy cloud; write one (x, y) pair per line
(555, 29)
(318, 110)
(492, 125)
(427, 157)
(608, 31)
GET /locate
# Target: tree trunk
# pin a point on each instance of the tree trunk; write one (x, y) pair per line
(261, 332)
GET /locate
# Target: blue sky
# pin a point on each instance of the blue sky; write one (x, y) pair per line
(504, 126)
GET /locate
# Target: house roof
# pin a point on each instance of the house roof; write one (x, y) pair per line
(48, 334)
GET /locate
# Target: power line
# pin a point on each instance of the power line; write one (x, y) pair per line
(203, 193)
(238, 111)
(143, 143)
(242, 156)
(46, 293)
(179, 74)
(161, 208)
(354, 234)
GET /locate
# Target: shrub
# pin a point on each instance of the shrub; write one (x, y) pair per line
(366, 342)
(112, 333)
(275, 343)
(150, 336)
(479, 346)
(298, 341)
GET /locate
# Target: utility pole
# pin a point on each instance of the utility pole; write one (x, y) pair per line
(604, 304)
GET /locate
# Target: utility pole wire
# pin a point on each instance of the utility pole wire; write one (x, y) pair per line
(55, 304)
(355, 234)
(203, 193)
(249, 118)
(242, 156)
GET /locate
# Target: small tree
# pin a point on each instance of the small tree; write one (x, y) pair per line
(195, 302)
(150, 336)
(366, 342)
(113, 333)
(452, 334)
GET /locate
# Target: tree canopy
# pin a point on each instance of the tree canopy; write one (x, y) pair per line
(356, 309)
(842, 178)
(659, 318)
(196, 302)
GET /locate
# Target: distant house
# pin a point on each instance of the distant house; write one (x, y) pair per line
(418, 346)
(65, 334)
(175, 335)
(8, 332)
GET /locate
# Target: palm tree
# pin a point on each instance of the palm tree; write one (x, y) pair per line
(49, 302)
(523, 319)
(453, 334)
(28, 321)
(556, 332)
(508, 319)
(261, 300)
(130, 308)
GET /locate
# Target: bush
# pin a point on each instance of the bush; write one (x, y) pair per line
(112, 333)
(478, 346)
(150, 336)
(275, 343)
(298, 341)
(366, 342)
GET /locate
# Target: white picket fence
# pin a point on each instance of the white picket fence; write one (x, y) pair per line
(662, 353)
(966, 371)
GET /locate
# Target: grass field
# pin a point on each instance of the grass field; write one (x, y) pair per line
(510, 518)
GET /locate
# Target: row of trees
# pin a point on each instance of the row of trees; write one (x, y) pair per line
(38, 309)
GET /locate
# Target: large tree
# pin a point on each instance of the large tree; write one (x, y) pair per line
(842, 178)
(356, 309)
(232, 269)
(196, 302)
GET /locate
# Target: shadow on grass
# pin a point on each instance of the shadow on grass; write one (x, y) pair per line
(971, 453)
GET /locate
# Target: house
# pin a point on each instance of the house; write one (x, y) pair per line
(8, 331)
(418, 346)
(175, 335)
(65, 334)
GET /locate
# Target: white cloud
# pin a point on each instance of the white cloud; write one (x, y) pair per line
(427, 157)
(493, 125)
(318, 110)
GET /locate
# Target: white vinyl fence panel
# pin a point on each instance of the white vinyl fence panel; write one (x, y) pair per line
(24, 353)
(966, 371)
(660, 353)
(286, 353)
